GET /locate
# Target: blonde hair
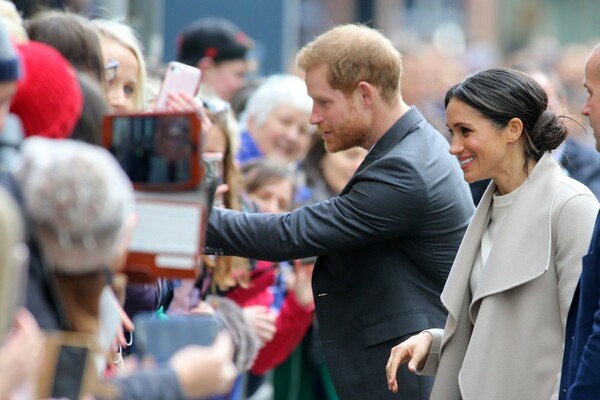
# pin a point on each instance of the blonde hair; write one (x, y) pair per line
(12, 21)
(125, 36)
(355, 53)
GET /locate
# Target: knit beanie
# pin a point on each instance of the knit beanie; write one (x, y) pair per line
(215, 38)
(9, 62)
(48, 98)
(78, 199)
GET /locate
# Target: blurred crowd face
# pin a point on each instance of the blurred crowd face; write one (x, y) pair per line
(285, 134)
(480, 147)
(121, 82)
(339, 167)
(274, 197)
(591, 82)
(337, 117)
(7, 90)
(225, 77)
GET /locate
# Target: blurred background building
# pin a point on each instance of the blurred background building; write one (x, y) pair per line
(441, 40)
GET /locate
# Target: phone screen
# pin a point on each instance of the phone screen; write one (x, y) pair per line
(160, 338)
(156, 150)
(70, 370)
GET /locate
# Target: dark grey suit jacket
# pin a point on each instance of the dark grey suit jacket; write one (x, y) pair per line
(385, 247)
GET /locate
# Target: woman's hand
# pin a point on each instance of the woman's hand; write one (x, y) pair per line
(183, 102)
(414, 350)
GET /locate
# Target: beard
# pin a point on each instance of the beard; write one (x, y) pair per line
(351, 133)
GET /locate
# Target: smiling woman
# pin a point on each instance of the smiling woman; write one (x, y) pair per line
(524, 243)
(501, 139)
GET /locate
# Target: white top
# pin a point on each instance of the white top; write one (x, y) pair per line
(500, 206)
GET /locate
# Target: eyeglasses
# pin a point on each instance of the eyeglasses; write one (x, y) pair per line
(216, 105)
(110, 70)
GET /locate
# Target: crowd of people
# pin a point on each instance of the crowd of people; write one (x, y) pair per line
(359, 222)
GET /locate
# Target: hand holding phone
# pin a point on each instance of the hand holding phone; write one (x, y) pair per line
(178, 78)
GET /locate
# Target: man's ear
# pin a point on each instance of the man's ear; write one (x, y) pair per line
(366, 92)
(515, 129)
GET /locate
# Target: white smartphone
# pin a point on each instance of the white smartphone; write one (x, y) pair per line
(178, 78)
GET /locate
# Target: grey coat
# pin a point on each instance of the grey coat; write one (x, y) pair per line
(514, 351)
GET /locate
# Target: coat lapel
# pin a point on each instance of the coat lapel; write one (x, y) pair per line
(510, 263)
(508, 267)
(457, 285)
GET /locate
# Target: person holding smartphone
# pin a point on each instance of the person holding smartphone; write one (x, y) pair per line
(386, 242)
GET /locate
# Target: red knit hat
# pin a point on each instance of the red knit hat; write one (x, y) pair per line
(48, 98)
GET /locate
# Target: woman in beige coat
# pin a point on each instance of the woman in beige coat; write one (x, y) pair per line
(512, 282)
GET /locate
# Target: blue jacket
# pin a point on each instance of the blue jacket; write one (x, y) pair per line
(581, 362)
(582, 163)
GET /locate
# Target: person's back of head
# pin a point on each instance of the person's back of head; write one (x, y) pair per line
(48, 98)
(354, 53)
(73, 36)
(79, 205)
(78, 199)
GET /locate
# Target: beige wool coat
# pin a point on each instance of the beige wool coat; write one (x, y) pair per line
(514, 351)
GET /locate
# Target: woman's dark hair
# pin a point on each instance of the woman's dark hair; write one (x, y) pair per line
(501, 94)
(73, 36)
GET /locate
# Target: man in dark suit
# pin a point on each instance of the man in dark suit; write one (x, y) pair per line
(386, 243)
(580, 377)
